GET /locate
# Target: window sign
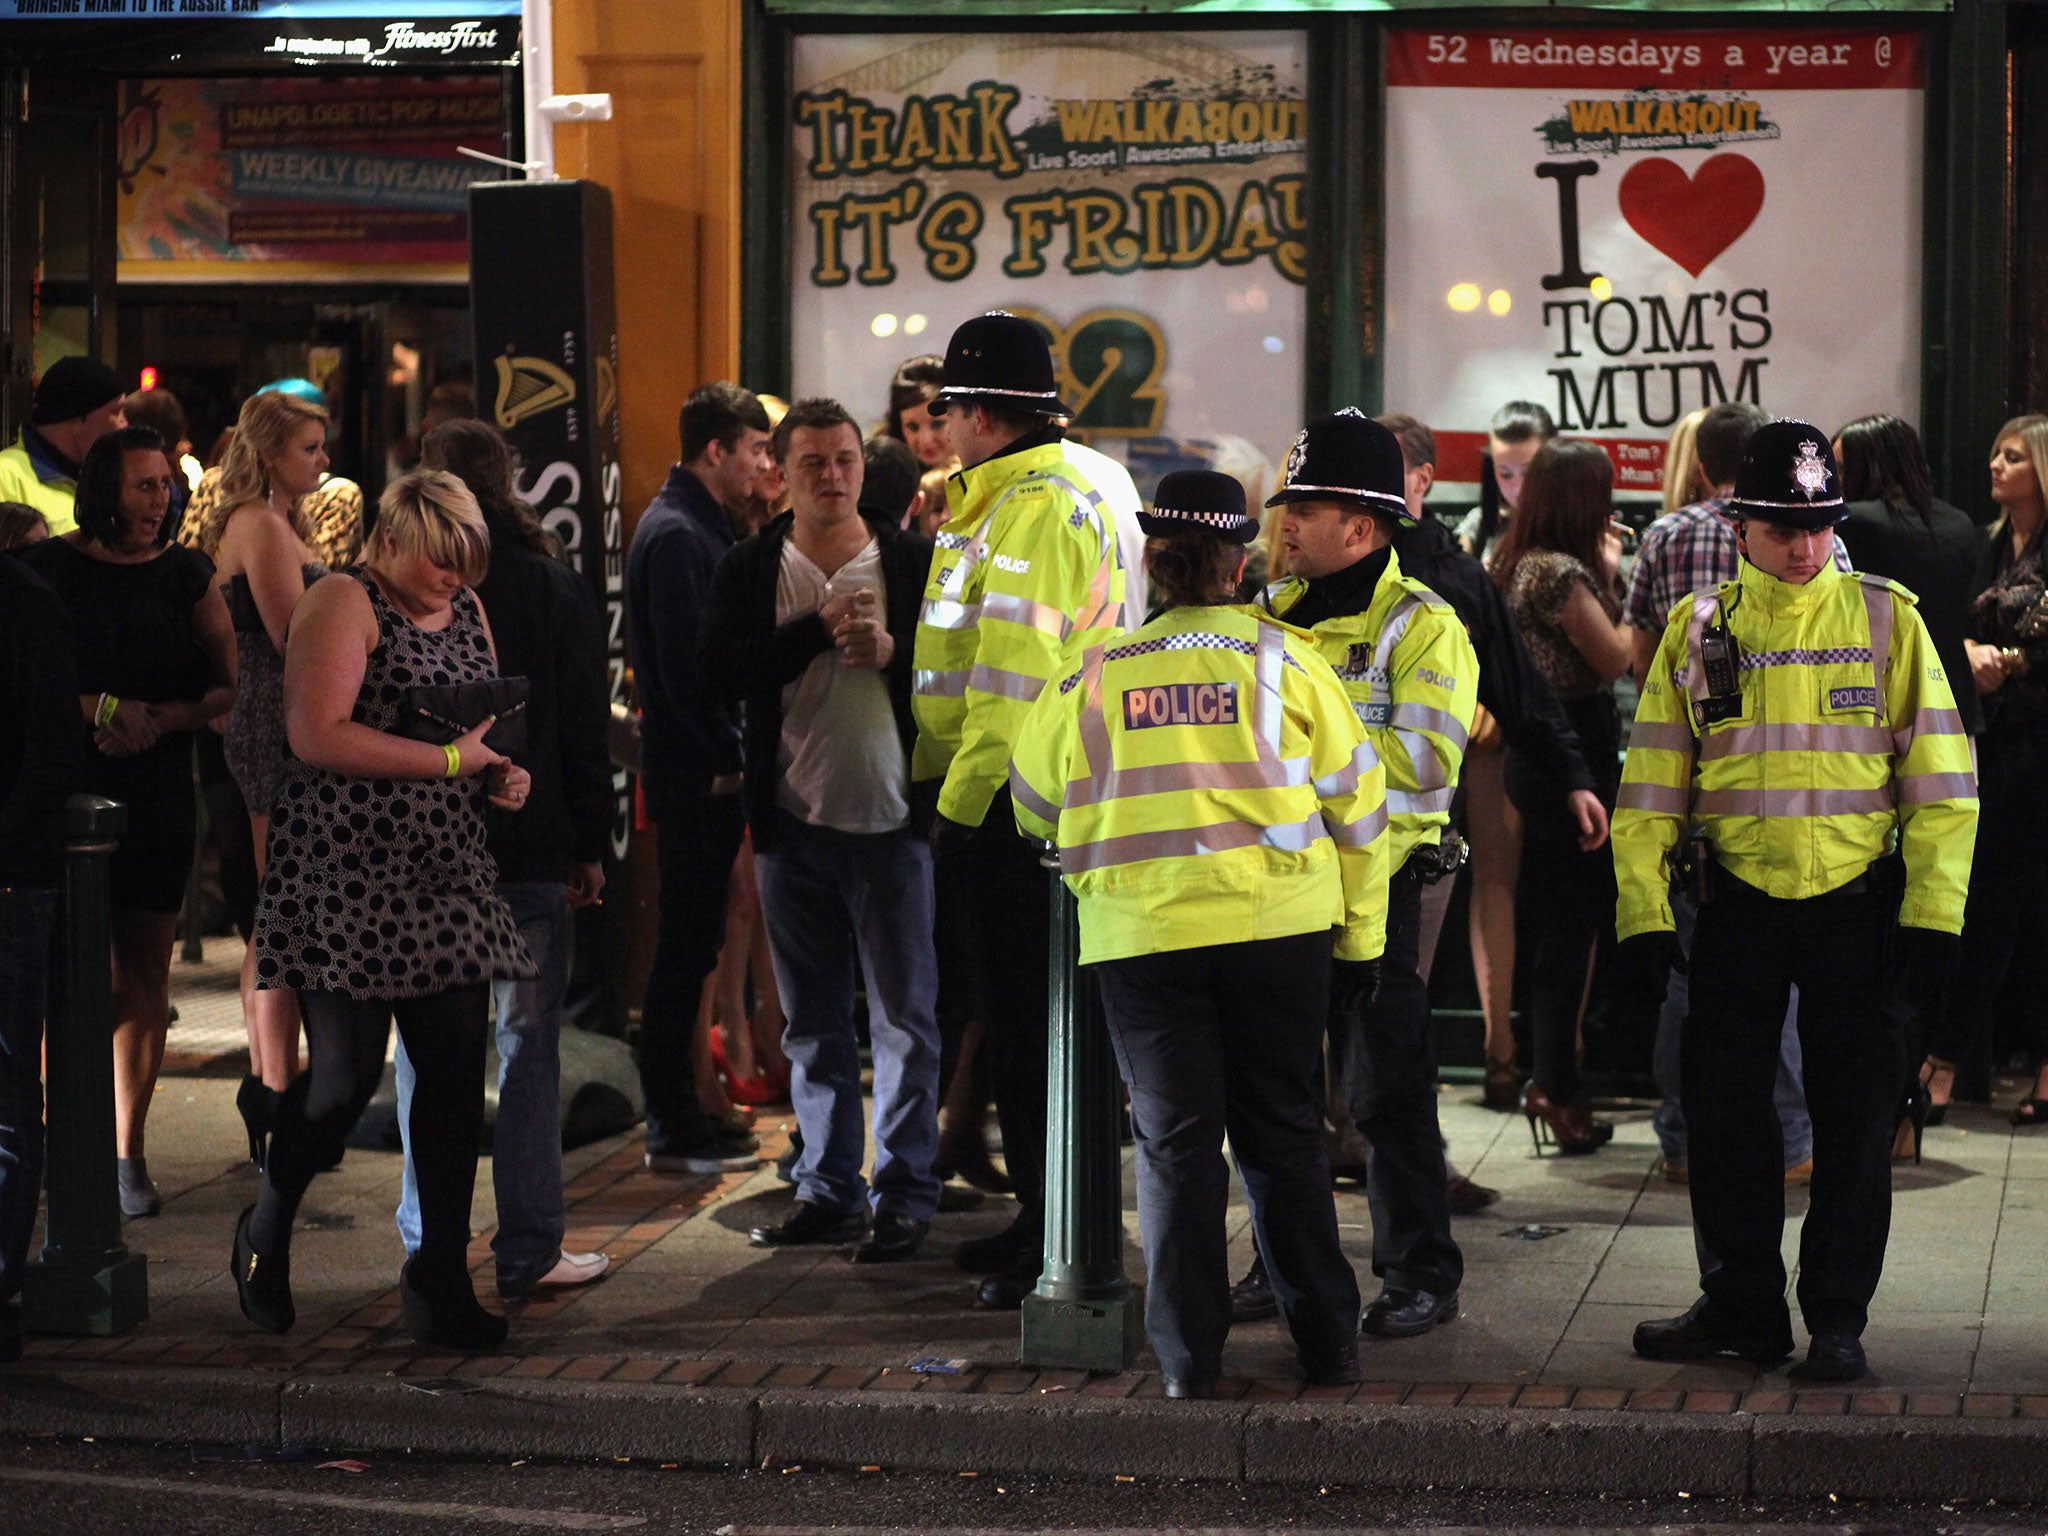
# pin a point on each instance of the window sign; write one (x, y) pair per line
(1625, 226)
(1141, 195)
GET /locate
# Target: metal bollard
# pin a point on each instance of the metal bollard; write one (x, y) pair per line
(1084, 1314)
(86, 1281)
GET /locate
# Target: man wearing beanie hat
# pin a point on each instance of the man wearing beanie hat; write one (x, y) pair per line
(78, 402)
(1795, 722)
(1412, 675)
(1027, 572)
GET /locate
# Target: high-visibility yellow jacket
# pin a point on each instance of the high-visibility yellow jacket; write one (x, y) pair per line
(1846, 729)
(1207, 783)
(1025, 575)
(21, 479)
(1413, 677)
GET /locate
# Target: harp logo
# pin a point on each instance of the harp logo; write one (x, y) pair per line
(527, 386)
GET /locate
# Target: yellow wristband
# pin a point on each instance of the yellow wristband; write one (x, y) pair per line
(454, 762)
(105, 714)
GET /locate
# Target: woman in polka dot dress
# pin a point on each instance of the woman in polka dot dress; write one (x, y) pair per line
(378, 899)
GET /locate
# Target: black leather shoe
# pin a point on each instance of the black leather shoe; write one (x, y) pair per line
(1188, 1387)
(811, 1222)
(1333, 1369)
(1252, 1299)
(1403, 1314)
(443, 1311)
(1696, 1336)
(1832, 1357)
(1005, 1292)
(895, 1238)
(263, 1284)
(1007, 1249)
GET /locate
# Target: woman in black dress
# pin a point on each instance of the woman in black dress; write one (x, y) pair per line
(156, 661)
(379, 897)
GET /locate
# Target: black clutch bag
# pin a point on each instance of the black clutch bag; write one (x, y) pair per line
(440, 713)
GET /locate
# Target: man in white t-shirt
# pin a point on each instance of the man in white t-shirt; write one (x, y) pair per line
(809, 625)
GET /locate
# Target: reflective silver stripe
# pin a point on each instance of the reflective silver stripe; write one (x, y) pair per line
(944, 613)
(1919, 788)
(1662, 735)
(1359, 833)
(1395, 627)
(1268, 707)
(1661, 798)
(940, 685)
(1877, 603)
(1177, 778)
(1190, 842)
(1742, 740)
(1009, 685)
(1926, 722)
(1031, 799)
(1344, 780)
(1430, 772)
(1420, 717)
(1809, 803)
(1429, 803)
(1022, 610)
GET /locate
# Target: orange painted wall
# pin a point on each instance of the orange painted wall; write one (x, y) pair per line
(671, 157)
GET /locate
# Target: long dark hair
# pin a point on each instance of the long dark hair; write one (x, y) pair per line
(475, 453)
(914, 383)
(1195, 569)
(1882, 460)
(1515, 422)
(1566, 504)
(98, 503)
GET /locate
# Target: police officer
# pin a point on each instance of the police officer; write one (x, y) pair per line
(1220, 816)
(1796, 720)
(1409, 668)
(1025, 574)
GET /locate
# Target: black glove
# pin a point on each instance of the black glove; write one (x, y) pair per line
(1653, 953)
(1353, 985)
(1926, 960)
(948, 837)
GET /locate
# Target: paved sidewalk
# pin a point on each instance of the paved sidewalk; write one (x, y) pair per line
(700, 1347)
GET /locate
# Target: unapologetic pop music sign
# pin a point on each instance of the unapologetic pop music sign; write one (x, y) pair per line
(1627, 225)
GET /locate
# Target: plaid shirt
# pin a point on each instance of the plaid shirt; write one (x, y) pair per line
(1685, 552)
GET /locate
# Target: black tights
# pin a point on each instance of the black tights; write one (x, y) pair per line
(346, 1038)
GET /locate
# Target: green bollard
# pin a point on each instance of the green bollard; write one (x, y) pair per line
(1084, 1314)
(86, 1281)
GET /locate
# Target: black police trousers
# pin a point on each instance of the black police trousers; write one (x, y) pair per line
(1748, 951)
(1386, 1060)
(1227, 1039)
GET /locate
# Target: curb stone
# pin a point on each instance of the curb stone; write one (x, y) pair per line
(1511, 1450)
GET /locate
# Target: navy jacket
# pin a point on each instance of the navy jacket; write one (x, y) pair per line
(749, 658)
(686, 739)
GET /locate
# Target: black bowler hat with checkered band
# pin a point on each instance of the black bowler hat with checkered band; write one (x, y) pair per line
(1000, 359)
(1191, 499)
(1347, 457)
(1788, 477)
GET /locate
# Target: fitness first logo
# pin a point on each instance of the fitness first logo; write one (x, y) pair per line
(457, 37)
(402, 40)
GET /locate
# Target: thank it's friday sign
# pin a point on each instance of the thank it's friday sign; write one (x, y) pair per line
(1626, 225)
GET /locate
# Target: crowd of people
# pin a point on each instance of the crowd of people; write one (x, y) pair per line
(878, 671)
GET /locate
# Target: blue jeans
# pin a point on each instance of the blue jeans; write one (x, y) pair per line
(830, 898)
(27, 917)
(1788, 1093)
(526, 1141)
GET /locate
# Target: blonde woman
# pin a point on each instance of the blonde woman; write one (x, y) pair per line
(264, 565)
(1683, 484)
(380, 896)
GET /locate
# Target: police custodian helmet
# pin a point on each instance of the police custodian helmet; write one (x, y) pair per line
(1347, 457)
(1191, 499)
(1788, 477)
(1000, 359)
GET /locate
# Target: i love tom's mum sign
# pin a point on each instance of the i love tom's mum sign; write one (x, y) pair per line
(1626, 225)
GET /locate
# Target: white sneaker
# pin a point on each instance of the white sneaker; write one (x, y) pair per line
(573, 1269)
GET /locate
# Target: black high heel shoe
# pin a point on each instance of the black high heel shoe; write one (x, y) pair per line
(263, 1283)
(258, 1108)
(447, 1313)
(1915, 1110)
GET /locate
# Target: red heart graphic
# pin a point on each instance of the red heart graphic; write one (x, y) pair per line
(1692, 219)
